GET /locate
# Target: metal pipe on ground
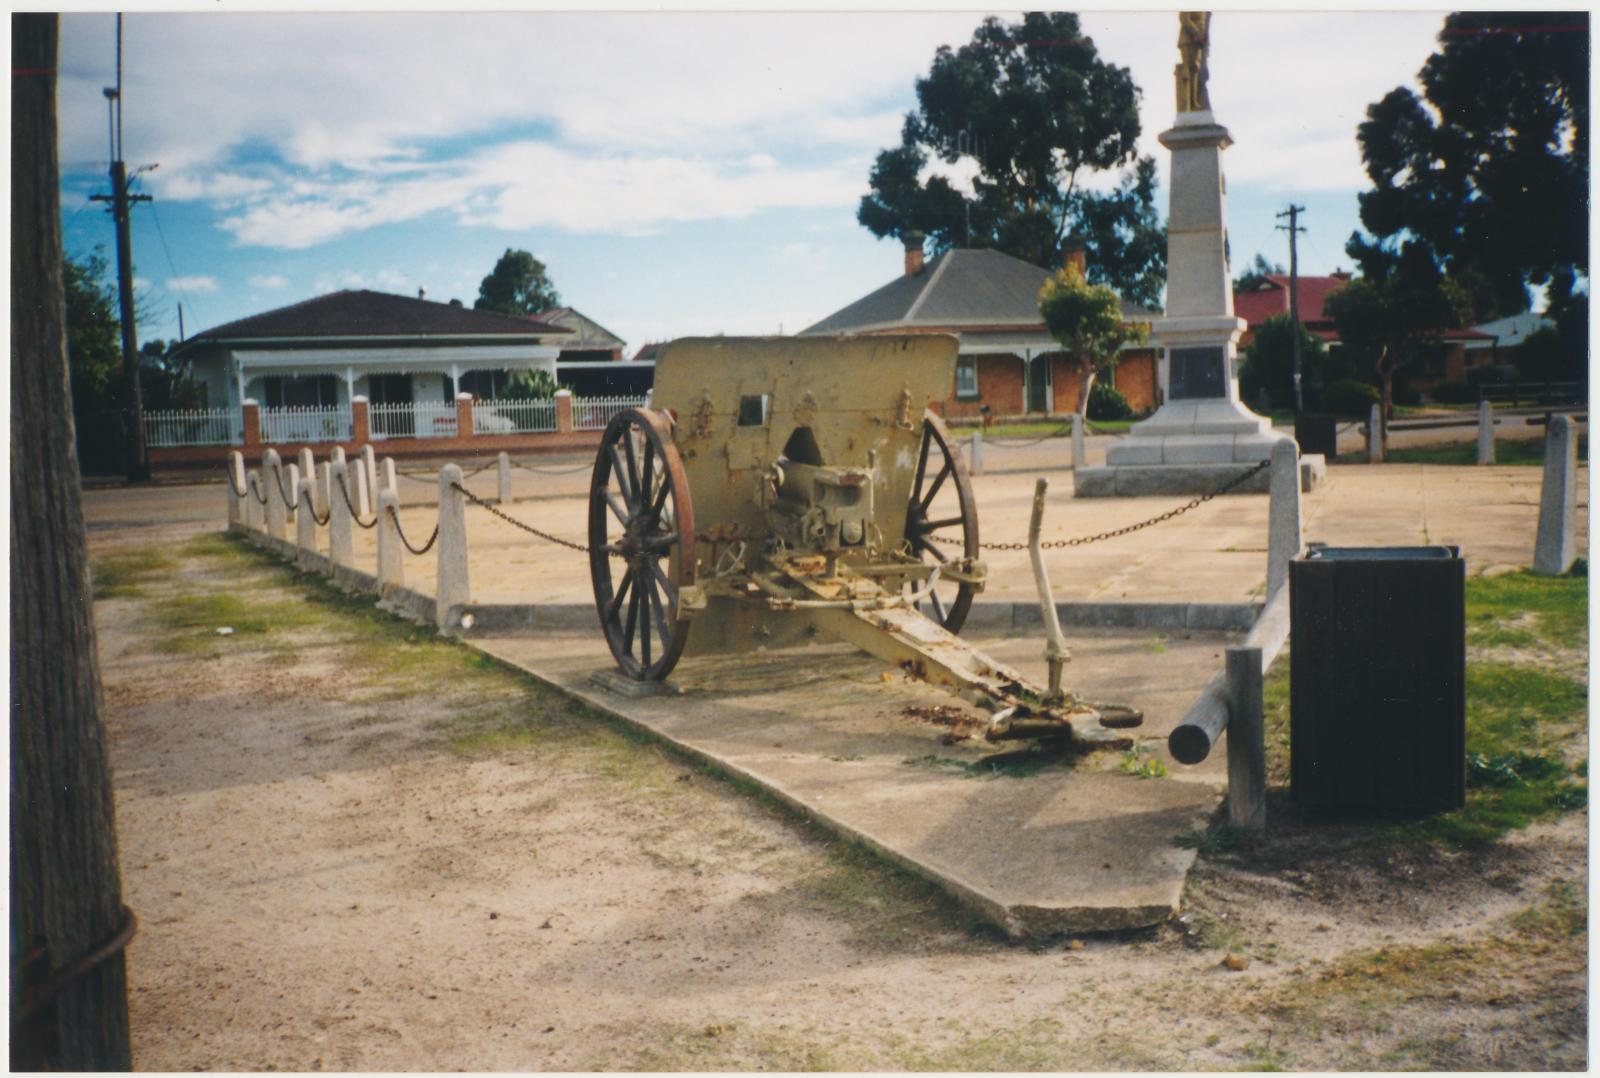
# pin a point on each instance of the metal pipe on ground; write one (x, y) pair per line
(1191, 740)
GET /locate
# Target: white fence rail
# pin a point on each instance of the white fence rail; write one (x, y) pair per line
(196, 426)
(420, 419)
(306, 424)
(513, 416)
(593, 413)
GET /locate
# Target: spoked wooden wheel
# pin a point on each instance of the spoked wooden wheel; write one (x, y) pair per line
(641, 542)
(942, 520)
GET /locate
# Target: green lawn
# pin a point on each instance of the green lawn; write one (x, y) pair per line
(1521, 451)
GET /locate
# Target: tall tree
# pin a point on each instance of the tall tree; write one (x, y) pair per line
(517, 285)
(69, 1007)
(94, 342)
(1257, 273)
(1392, 317)
(1034, 111)
(1269, 363)
(1087, 320)
(1488, 171)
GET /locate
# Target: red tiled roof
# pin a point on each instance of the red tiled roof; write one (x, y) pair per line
(364, 313)
(1273, 299)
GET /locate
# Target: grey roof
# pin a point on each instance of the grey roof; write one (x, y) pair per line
(588, 332)
(958, 288)
(1513, 330)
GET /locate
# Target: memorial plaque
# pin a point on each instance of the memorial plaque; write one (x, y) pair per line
(1197, 373)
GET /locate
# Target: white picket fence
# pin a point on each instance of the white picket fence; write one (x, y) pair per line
(513, 416)
(593, 413)
(196, 426)
(329, 424)
(419, 419)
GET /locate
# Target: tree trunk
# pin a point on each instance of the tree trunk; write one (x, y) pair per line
(1085, 384)
(1386, 400)
(66, 893)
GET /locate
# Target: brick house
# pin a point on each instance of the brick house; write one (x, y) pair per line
(1459, 349)
(1008, 362)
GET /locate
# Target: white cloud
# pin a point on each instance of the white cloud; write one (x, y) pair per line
(194, 283)
(384, 280)
(269, 281)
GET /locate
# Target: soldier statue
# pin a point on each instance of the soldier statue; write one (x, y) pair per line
(1193, 43)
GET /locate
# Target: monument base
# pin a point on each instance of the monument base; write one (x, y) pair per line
(1134, 480)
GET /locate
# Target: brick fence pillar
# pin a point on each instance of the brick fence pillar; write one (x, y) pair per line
(360, 421)
(463, 415)
(252, 425)
(563, 411)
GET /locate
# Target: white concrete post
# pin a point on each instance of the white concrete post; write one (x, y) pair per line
(1485, 432)
(254, 511)
(272, 482)
(308, 468)
(341, 550)
(389, 480)
(453, 590)
(235, 482)
(505, 478)
(294, 487)
(391, 556)
(1556, 547)
(976, 464)
(1079, 454)
(1283, 514)
(336, 455)
(362, 493)
(369, 480)
(1375, 435)
(305, 524)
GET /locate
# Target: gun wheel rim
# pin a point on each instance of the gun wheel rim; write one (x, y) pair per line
(942, 509)
(641, 543)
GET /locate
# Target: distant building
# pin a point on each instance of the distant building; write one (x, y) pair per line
(1008, 363)
(591, 358)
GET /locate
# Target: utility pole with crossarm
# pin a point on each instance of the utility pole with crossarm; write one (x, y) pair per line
(1293, 227)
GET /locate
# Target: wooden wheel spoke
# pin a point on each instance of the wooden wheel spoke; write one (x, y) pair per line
(636, 495)
(633, 618)
(926, 526)
(659, 612)
(616, 600)
(666, 584)
(938, 482)
(618, 470)
(938, 604)
(647, 474)
(644, 626)
(661, 500)
(922, 466)
(619, 509)
(661, 542)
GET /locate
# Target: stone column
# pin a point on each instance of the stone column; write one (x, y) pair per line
(250, 417)
(453, 590)
(308, 468)
(235, 482)
(254, 512)
(464, 415)
(391, 556)
(504, 473)
(1283, 515)
(271, 481)
(1485, 432)
(563, 411)
(305, 524)
(360, 420)
(390, 481)
(369, 475)
(1375, 435)
(1079, 453)
(1556, 547)
(341, 550)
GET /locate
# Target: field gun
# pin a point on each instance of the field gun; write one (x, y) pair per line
(780, 490)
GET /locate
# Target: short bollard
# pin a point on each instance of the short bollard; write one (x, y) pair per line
(1556, 547)
(1079, 459)
(254, 511)
(308, 468)
(504, 463)
(1485, 433)
(391, 558)
(335, 457)
(272, 479)
(390, 480)
(453, 589)
(369, 480)
(1247, 752)
(305, 525)
(1283, 514)
(236, 481)
(1375, 436)
(976, 466)
(341, 551)
(362, 488)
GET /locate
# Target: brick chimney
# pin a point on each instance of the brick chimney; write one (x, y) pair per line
(913, 242)
(1074, 254)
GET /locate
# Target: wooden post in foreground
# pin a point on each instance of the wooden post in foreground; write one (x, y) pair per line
(1247, 749)
(67, 915)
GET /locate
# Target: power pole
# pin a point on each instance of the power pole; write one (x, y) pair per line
(1293, 228)
(121, 203)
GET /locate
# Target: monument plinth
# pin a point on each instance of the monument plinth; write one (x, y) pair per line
(1202, 435)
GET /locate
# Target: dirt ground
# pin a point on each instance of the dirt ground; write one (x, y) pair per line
(352, 847)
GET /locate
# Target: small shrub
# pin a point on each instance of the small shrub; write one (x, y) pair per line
(1348, 397)
(1456, 391)
(1107, 402)
(1407, 396)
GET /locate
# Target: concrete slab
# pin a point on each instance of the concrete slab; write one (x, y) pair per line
(1076, 846)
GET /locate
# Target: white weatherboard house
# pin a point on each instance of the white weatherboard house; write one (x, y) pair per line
(393, 350)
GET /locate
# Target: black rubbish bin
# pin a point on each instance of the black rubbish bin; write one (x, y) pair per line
(1377, 667)
(1317, 432)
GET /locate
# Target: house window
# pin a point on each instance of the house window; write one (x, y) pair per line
(966, 378)
(311, 391)
(483, 385)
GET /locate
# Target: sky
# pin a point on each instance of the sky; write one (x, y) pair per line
(678, 173)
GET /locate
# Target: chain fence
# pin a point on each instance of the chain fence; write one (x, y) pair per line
(529, 528)
(1083, 540)
(401, 532)
(355, 514)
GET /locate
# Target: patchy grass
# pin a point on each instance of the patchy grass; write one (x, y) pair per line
(1521, 451)
(122, 576)
(1139, 761)
(1524, 610)
(1059, 428)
